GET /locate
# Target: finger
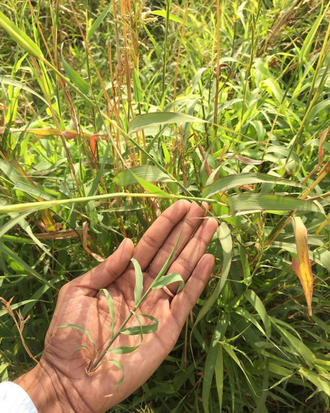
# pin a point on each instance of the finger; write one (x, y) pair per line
(107, 272)
(192, 253)
(155, 236)
(192, 221)
(184, 302)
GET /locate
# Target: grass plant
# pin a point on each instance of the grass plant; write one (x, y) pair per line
(109, 112)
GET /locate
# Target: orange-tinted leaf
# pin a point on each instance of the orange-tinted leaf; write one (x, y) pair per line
(301, 265)
(44, 132)
(69, 134)
(85, 239)
(93, 145)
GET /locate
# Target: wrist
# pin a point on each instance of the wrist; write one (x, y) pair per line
(45, 389)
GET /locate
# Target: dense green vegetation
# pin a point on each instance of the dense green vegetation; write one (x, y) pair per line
(257, 73)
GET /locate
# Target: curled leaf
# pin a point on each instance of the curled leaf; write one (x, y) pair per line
(301, 265)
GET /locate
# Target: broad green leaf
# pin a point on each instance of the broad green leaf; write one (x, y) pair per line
(261, 202)
(168, 279)
(218, 335)
(147, 172)
(123, 350)
(149, 187)
(138, 281)
(232, 181)
(111, 311)
(83, 330)
(224, 236)
(20, 37)
(98, 21)
(146, 329)
(159, 118)
(172, 17)
(259, 307)
(316, 379)
(75, 78)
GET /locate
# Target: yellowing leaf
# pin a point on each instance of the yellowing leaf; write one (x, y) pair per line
(301, 265)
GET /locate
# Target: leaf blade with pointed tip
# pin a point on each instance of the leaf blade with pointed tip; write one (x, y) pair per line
(168, 279)
(160, 118)
(111, 311)
(20, 37)
(75, 78)
(262, 202)
(83, 330)
(138, 281)
(145, 329)
(302, 265)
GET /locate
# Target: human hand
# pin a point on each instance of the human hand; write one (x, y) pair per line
(59, 383)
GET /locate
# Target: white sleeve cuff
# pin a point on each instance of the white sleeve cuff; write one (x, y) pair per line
(13, 399)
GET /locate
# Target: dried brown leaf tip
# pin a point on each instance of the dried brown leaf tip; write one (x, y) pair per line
(302, 265)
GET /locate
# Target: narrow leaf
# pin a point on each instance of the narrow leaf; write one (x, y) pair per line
(138, 281)
(168, 279)
(261, 202)
(123, 350)
(147, 172)
(172, 17)
(83, 330)
(111, 311)
(302, 265)
(20, 37)
(232, 181)
(149, 187)
(159, 118)
(146, 329)
(225, 239)
(98, 21)
(259, 307)
(75, 78)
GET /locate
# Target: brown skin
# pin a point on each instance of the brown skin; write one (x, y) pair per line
(59, 383)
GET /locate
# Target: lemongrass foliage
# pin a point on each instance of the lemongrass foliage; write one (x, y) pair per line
(75, 79)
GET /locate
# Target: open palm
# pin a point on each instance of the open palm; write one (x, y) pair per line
(80, 303)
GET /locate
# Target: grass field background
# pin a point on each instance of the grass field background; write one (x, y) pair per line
(226, 102)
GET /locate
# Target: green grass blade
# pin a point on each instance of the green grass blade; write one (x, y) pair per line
(160, 118)
(225, 239)
(232, 181)
(147, 172)
(123, 350)
(83, 330)
(138, 289)
(167, 280)
(261, 202)
(75, 78)
(259, 307)
(21, 38)
(98, 21)
(145, 329)
(218, 335)
(172, 17)
(111, 311)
